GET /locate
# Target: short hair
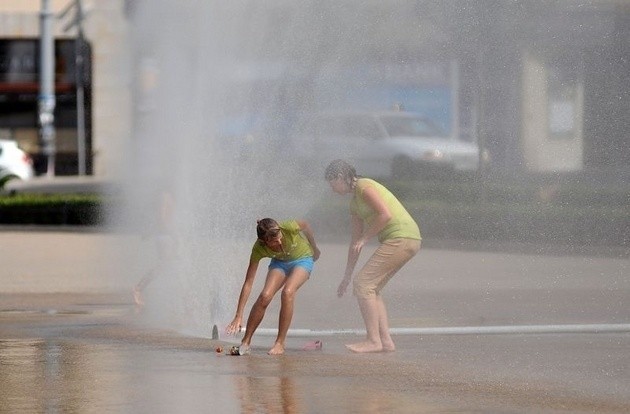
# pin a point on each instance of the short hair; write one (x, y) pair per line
(267, 228)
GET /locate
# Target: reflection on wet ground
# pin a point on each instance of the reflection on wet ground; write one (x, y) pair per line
(129, 373)
(77, 376)
(100, 359)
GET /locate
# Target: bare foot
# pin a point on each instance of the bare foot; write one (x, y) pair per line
(243, 349)
(278, 349)
(388, 346)
(363, 347)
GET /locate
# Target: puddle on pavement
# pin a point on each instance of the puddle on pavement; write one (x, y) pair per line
(75, 359)
(81, 359)
(77, 375)
(73, 376)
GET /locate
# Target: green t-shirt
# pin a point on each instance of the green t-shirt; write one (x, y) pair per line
(295, 245)
(401, 225)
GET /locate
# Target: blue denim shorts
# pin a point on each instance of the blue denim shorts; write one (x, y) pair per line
(288, 266)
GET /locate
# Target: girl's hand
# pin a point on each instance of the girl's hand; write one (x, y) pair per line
(234, 327)
(358, 245)
(316, 254)
(343, 286)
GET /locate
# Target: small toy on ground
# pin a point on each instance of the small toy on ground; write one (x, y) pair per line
(218, 349)
(313, 345)
(237, 350)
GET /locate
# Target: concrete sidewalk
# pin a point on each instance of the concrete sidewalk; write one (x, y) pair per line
(54, 261)
(62, 299)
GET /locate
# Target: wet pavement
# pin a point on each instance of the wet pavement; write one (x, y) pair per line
(71, 340)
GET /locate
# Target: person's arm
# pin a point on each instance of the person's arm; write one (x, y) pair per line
(360, 237)
(306, 229)
(236, 324)
(353, 254)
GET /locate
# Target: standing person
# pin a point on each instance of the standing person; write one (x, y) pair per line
(374, 211)
(292, 249)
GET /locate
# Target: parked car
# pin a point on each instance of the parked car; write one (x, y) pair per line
(14, 162)
(383, 144)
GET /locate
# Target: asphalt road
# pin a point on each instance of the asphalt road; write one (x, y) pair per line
(67, 326)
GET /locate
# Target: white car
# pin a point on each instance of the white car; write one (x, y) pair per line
(14, 162)
(383, 144)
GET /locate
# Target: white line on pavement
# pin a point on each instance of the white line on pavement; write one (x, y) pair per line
(462, 330)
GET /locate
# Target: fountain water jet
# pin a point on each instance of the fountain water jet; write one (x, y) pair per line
(200, 75)
(216, 87)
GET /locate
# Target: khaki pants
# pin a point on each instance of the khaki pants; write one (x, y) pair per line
(390, 256)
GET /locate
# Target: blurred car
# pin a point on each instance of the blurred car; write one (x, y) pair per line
(14, 162)
(383, 144)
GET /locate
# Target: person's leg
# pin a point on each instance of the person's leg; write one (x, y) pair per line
(379, 269)
(165, 253)
(383, 325)
(370, 313)
(296, 279)
(140, 286)
(373, 275)
(273, 283)
(376, 322)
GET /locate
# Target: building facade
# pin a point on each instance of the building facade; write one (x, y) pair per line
(107, 87)
(542, 85)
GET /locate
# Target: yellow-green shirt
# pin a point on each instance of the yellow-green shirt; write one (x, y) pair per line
(401, 225)
(294, 245)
